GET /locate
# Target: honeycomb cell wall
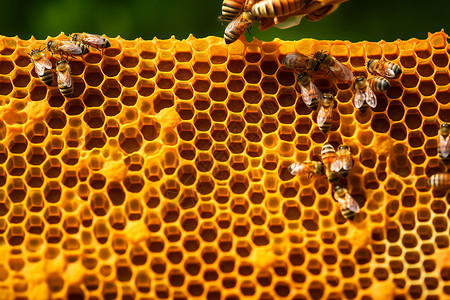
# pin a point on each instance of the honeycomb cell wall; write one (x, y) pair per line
(165, 175)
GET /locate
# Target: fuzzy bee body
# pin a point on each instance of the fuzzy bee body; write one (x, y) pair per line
(384, 68)
(306, 168)
(339, 71)
(349, 207)
(364, 96)
(68, 48)
(343, 162)
(328, 155)
(311, 95)
(444, 143)
(325, 115)
(440, 181)
(237, 27)
(64, 78)
(42, 66)
(379, 84)
(277, 8)
(93, 40)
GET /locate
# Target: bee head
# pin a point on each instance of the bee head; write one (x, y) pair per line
(361, 81)
(344, 147)
(75, 37)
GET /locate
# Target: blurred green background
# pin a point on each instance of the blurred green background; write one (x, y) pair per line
(355, 20)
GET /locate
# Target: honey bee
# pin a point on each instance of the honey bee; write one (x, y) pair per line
(42, 66)
(64, 78)
(349, 207)
(308, 167)
(93, 40)
(339, 71)
(311, 95)
(364, 96)
(325, 115)
(343, 163)
(379, 84)
(328, 155)
(301, 62)
(277, 8)
(444, 142)
(68, 48)
(322, 12)
(440, 181)
(237, 27)
(384, 68)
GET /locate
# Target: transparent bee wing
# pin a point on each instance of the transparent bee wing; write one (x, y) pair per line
(351, 203)
(389, 73)
(340, 71)
(310, 93)
(41, 65)
(371, 99)
(71, 48)
(291, 22)
(347, 163)
(294, 168)
(65, 79)
(94, 39)
(359, 98)
(295, 60)
(323, 115)
(336, 165)
(444, 145)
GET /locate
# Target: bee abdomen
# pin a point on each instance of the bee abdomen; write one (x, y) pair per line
(397, 70)
(276, 8)
(440, 181)
(314, 104)
(66, 91)
(84, 49)
(325, 127)
(230, 9)
(348, 214)
(364, 107)
(47, 77)
(380, 84)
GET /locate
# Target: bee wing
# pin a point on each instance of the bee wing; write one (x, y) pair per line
(291, 22)
(444, 145)
(71, 48)
(94, 39)
(351, 203)
(371, 99)
(359, 98)
(295, 60)
(389, 73)
(347, 163)
(65, 79)
(41, 65)
(340, 71)
(323, 115)
(310, 93)
(336, 165)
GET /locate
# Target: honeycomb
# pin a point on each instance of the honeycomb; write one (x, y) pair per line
(165, 176)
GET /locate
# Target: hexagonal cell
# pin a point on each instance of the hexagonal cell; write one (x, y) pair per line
(252, 94)
(17, 144)
(440, 59)
(202, 121)
(93, 97)
(20, 78)
(396, 110)
(380, 123)
(187, 151)
(6, 65)
(130, 140)
(269, 124)
(416, 139)
(409, 80)
(427, 87)
(15, 165)
(93, 75)
(96, 139)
